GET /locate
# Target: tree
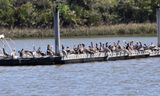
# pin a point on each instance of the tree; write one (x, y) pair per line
(6, 13)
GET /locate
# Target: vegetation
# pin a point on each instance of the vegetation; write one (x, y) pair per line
(145, 29)
(32, 16)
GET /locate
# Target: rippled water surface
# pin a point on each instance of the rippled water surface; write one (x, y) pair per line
(139, 77)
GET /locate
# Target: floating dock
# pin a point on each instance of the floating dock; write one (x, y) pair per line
(27, 61)
(99, 57)
(79, 58)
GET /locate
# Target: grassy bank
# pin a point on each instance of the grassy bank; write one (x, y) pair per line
(145, 29)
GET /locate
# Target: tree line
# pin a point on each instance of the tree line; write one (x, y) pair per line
(73, 13)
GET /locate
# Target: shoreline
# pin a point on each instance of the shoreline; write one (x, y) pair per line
(120, 30)
(63, 37)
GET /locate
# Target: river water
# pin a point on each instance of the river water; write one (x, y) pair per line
(139, 77)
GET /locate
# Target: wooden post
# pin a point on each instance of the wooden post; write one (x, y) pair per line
(57, 31)
(158, 26)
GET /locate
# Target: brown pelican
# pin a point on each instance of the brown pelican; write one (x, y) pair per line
(50, 52)
(25, 53)
(5, 53)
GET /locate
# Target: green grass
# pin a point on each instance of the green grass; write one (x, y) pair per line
(145, 29)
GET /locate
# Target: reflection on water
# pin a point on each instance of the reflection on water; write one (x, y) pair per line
(138, 77)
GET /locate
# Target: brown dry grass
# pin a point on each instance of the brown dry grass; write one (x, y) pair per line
(145, 29)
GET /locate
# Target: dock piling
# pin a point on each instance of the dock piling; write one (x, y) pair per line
(158, 25)
(57, 31)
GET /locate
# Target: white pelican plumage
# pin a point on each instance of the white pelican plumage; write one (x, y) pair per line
(2, 36)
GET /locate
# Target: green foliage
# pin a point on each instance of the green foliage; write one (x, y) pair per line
(69, 18)
(39, 13)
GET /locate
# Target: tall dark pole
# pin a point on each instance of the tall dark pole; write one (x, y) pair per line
(57, 31)
(158, 25)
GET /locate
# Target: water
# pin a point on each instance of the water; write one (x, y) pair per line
(139, 77)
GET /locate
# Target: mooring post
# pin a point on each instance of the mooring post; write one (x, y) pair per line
(158, 25)
(57, 31)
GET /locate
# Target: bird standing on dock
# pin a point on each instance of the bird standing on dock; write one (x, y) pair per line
(64, 52)
(5, 53)
(13, 54)
(25, 53)
(40, 53)
(50, 52)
